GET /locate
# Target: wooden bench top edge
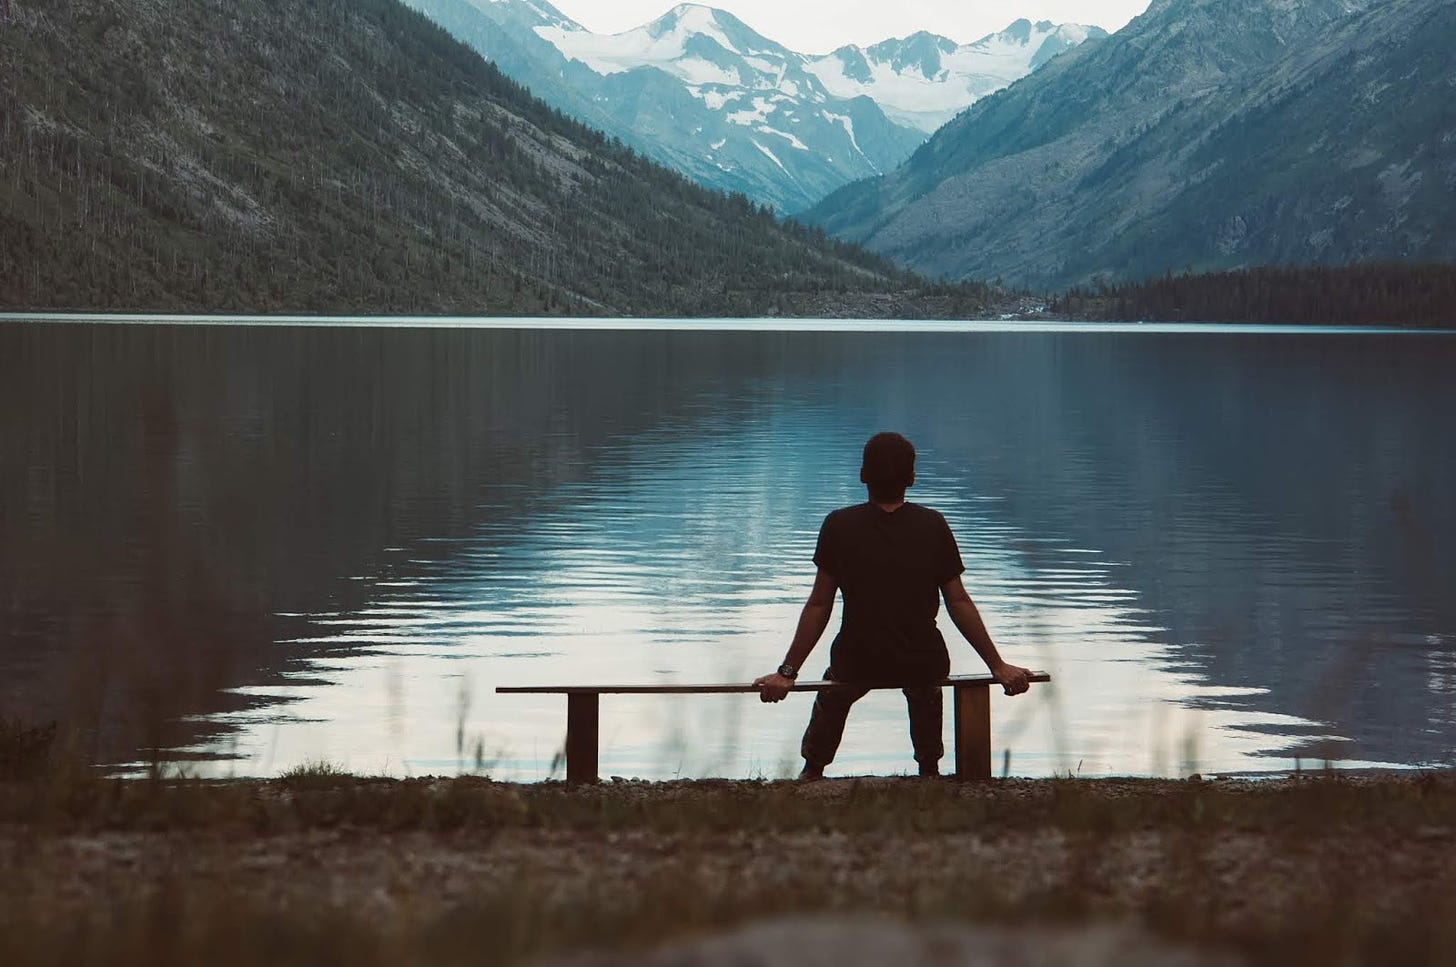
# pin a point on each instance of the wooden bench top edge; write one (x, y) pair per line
(731, 688)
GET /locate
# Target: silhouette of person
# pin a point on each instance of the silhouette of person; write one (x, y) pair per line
(893, 560)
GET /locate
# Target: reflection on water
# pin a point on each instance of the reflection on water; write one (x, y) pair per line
(1230, 551)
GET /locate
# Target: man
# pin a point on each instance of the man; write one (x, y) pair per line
(893, 560)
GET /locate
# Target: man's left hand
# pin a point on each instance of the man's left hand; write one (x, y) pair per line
(773, 688)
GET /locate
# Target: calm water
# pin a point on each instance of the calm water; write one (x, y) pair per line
(286, 543)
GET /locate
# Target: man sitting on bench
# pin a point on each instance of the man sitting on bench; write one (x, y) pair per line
(893, 560)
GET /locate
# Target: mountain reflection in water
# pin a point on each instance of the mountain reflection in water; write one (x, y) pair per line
(286, 544)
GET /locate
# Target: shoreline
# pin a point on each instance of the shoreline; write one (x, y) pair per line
(993, 320)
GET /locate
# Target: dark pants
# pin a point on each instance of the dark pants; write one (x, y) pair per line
(831, 709)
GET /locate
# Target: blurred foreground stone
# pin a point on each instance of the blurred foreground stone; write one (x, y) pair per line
(860, 942)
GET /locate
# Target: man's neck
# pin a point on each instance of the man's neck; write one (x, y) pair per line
(889, 508)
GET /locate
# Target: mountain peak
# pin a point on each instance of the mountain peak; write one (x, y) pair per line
(688, 20)
(921, 39)
(922, 52)
(700, 18)
(689, 15)
(537, 13)
(926, 37)
(1060, 39)
(1019, 30)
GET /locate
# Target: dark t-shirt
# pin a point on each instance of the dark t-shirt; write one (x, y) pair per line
(891, 567)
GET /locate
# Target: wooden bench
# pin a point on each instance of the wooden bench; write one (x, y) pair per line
(972, 717)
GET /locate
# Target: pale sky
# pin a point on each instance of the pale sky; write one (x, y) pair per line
(818, 26)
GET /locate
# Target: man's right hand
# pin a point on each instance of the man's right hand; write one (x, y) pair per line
(1013, 678)
(773, 688)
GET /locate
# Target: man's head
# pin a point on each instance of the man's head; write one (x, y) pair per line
(888, 467)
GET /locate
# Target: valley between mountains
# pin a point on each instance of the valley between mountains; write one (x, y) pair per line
(704, 93)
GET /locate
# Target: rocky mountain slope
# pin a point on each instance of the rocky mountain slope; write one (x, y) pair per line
(701, 91)
(347, 155)
(1207, 134)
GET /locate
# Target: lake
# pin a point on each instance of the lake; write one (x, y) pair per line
(258, 545)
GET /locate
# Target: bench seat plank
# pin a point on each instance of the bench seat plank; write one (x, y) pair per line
(817, 686)
(972, 716)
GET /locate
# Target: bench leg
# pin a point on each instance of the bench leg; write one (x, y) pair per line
(973, 731)
(581, 736)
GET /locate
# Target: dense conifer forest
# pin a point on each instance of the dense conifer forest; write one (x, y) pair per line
(349, 156)
(1379, 295)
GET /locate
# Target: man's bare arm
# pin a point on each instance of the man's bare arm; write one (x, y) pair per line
(812, 622)
(962, 610)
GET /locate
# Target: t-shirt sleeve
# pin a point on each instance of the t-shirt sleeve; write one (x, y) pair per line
(948, 562)
(825, 549)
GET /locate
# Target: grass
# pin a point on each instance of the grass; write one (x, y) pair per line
(317, 773)
(322, 867)
(321, 795)
(25, 749)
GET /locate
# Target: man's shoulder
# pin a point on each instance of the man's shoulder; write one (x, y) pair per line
(922, 511)
(928, 521)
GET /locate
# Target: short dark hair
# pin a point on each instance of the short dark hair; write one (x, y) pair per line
(888, 467)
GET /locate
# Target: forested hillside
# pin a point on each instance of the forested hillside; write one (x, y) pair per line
(1369, 295)
(349, 156)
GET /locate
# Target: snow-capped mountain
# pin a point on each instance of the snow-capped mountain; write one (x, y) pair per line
(757, 101)
(925, 79)
(701, 91)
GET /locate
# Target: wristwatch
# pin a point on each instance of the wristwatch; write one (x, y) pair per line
(788, 671)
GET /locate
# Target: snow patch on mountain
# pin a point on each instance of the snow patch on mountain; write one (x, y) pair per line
(771, 156)
(793, 141)
(762, 108)
(848, 125)
(714, 98)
